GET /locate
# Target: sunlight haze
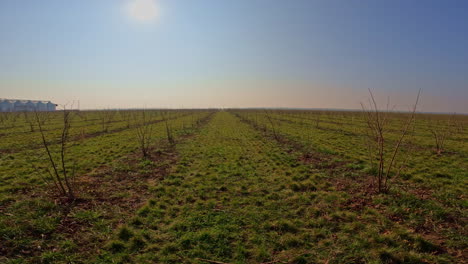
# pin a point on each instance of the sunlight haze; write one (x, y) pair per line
(255, 53)
(142, 10)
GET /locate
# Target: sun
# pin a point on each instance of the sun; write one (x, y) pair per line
(143, 10)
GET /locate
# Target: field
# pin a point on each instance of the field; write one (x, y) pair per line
(232, 186)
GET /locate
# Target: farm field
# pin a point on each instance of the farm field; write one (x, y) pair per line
(235, 186)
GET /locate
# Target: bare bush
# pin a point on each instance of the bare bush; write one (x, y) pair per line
(170, 136)
(30, 120)
(441, 131)
(317, 120)
(59, 174)
(107, 117)
(273, 126)
(3, 119)
(377, 122)
(126, 116)
(144, 133)
(82, 115)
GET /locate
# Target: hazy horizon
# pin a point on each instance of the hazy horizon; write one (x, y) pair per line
(236, 54)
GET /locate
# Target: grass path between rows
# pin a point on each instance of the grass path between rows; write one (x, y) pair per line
(237, 197)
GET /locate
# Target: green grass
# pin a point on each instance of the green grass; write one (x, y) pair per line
(236, 196)
(31, 220)
(232, 193)
(429, 197)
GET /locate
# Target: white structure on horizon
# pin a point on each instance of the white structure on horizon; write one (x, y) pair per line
(14, 105)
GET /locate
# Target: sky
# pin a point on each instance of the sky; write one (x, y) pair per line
(243, 53)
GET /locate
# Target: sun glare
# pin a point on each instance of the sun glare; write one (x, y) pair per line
(143, 10)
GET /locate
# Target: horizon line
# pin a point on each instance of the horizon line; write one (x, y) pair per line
(265, 108)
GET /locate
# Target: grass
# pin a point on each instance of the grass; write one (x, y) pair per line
(229, 191)
(34, 222)
(428, 198)
(235, 196)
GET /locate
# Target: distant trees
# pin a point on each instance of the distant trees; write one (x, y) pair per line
(380, 148)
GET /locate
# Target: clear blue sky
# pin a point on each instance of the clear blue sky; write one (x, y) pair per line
(243, 53)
